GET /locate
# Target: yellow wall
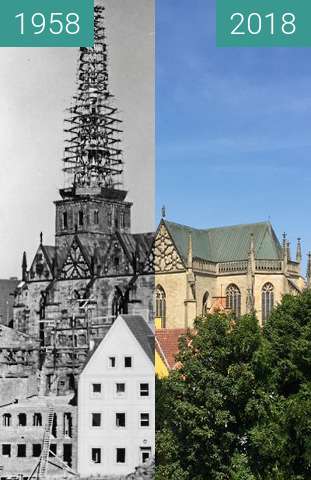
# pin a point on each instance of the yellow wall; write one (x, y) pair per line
(161, 369)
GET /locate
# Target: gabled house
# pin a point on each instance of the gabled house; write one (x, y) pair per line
(116, 400)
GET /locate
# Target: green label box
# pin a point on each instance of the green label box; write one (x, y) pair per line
(263, 23)
(47, 23)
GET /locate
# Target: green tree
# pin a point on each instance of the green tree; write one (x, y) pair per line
(206, 399)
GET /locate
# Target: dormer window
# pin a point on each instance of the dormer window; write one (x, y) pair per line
(65, 220)
(81, 218)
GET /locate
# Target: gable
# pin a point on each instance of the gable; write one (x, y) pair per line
(165, 256)
(117, 260)
(76, 265)
(119, 341)
(41, 268)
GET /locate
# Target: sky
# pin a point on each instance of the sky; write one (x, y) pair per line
(36, 87)
(233, 127)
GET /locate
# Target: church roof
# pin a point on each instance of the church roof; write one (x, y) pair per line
(225, 244)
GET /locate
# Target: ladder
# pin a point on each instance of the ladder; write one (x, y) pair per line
(43, 464)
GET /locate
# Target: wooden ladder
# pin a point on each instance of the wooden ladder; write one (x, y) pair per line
(43, 463)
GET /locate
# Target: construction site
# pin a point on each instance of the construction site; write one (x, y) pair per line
(72, 291)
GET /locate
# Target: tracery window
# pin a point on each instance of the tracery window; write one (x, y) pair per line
(233, 299)
(267, 300)
(205, 307)
(161, 305)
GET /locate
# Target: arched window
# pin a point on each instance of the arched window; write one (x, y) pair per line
(267, 300)
(205, 307)
(233, 299)
(96, 217)
(161, 305)
(6, 419)
(119, 304)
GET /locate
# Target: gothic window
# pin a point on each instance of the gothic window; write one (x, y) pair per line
(122, 223)
(118, 303)
(65, 220)
(96, 217)
(205, 307)
(233, 299)
(81, 218)
(267, 300)
(161, 305)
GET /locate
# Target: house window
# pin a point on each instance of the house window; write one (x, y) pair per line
(120, 455)
(120, 419)
(67, 424)
(81, 218)
(127, 362)
(53, 449)
(112, 362)
(161, 305)
(144, 389)
(97, 388)
(144, 420)
(145, 453)
(37, 420)
(22, 419)
(21, 450)
(267, 300)
(233, 299)
(96, 455)
(96, 217)
(6, 450)
(36, 449)
(120, 389)
(67, 454)
(96, 419)
(205, 303)
(65, 220)
(6, 420)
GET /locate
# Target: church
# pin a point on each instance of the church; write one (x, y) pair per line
(240, 268)
(73, 290)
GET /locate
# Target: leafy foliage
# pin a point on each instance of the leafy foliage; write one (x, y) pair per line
(239, 407)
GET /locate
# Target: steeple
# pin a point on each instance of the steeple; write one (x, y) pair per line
(298, 251)
(93, 154)
(24, 267)
(309, 271)
(190, 252)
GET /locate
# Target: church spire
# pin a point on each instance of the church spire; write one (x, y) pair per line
(93, 154)
(298, 251)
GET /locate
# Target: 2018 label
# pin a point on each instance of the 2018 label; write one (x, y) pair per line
(254, 22)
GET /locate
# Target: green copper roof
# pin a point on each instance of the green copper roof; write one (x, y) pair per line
(226, 244)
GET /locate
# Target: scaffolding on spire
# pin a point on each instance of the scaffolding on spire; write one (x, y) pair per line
(93, 154)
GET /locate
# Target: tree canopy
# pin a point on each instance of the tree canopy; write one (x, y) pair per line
(239, 407)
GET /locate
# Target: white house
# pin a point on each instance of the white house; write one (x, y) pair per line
(116, 402)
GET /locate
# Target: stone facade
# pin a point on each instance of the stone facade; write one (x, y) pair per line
(245, 264)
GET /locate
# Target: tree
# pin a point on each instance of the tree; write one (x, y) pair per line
(204, 425)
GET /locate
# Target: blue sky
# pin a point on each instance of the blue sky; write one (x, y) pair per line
(233, 126)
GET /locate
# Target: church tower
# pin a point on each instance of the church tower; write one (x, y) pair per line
(94, 205)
